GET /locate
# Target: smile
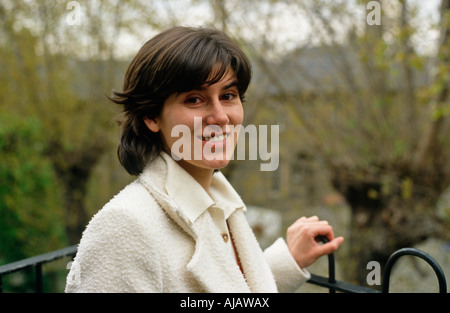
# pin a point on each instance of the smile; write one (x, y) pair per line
(215, 138)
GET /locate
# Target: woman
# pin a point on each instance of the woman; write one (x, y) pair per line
(180, 226)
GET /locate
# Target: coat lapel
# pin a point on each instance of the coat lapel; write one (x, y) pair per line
(219, 273)
(257, 272)
(213, 270)
(210, 265)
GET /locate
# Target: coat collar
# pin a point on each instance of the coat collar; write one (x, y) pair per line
(186, 202)
(182, 188)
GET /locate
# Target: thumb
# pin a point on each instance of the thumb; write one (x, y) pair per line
(331, 246)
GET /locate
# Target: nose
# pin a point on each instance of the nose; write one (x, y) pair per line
(216, 114)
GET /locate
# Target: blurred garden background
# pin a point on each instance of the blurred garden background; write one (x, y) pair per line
(359, 88)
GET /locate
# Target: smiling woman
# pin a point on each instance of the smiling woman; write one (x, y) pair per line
(219, 108)
(180, 226)
(173, 64)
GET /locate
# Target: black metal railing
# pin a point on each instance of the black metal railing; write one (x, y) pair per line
(329, 282)
(36, 262)
(333, 285)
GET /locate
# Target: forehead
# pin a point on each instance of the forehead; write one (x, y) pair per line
(226, 80)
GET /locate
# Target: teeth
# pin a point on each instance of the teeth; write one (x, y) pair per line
(216, 138)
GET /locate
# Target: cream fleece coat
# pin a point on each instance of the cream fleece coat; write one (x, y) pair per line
(142, 241)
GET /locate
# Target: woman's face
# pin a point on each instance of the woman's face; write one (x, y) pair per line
(199, 127)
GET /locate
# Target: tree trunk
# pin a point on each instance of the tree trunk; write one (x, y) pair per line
(74, 171)
(75, 186)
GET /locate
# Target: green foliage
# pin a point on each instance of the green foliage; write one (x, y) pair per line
(30, 202)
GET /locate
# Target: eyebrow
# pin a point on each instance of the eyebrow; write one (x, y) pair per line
(232, 84)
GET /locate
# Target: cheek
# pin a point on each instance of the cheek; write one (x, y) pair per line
(166, 127)
(180, 125)
(236, 115)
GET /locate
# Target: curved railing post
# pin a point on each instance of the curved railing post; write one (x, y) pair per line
(414, 252)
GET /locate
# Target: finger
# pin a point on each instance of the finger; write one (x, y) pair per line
(322, 229)
(315, 219)
(311, 218)
(300, 220)
(304, 219)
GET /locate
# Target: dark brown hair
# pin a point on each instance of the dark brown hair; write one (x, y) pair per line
(177, 60)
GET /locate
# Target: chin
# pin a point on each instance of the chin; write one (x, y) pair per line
(216, 164)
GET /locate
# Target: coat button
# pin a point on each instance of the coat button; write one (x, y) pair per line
(225, 237)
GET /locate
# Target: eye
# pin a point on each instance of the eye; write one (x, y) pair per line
(229, 96)
(193, 100)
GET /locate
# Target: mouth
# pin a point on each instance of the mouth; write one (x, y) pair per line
(215, 138)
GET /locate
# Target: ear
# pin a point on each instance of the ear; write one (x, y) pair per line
(152, 124)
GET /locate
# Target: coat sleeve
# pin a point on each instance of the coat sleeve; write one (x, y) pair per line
(288, 275)
(100, 265)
